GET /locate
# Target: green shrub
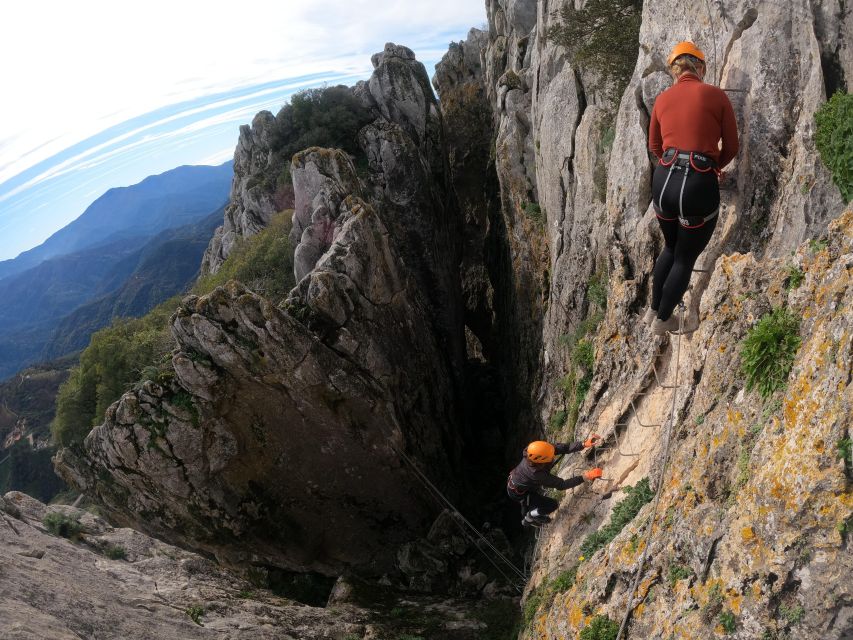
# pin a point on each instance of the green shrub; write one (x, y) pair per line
(60, 524)
(263, 262)
(625, 511)
(533, 211)
(195, 613)
(324, 117)
(596, 290)
(557, 420)
(728, 621)
(115, 552)
(678, 572)
(834, 140)
(603, 37)
(769, 351)
(600, 628)
(795, 277)
(564, 581)
(793, 614)
(114, 359)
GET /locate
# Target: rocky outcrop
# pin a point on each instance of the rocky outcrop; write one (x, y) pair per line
(254, 189)
(284, 437)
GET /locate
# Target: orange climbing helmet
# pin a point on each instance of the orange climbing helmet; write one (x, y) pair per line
(540, 451)
(685, 47)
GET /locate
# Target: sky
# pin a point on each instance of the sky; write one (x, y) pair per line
(100, 94)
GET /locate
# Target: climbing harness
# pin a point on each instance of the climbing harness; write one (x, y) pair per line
(684, 161)
(667, 448)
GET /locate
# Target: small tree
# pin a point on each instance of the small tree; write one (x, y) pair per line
(602, 37)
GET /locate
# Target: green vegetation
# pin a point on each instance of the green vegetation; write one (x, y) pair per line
(678, 572)
(60, 524)
(834, 140)
(793, 614)
(845, 452)
(114, 358)
(533, 211)
(728, 621)
(795, 277)
(115, 552)
(816, 246)
(557, 420)
(577, 381)
(769, 350)
(140, 348)
(195, 613)
(325, 117)
(544, 594)
(714, 604)
(602, 37)
(625, 511)
(600, 628)
(263, 262)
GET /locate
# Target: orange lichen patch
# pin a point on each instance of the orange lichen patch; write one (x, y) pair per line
(576, 616)
(735, 601)
(756, 590)
(747, 534)
(722, 348)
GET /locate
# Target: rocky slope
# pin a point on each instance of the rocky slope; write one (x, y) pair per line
(112, 582)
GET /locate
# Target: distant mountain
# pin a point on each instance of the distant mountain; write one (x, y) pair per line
(59, 285)
(165, 266)
(169, 200)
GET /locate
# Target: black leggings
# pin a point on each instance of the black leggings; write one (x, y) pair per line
(674, 266)
(532, 501)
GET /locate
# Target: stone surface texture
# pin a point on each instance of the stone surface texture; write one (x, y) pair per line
(735, 496)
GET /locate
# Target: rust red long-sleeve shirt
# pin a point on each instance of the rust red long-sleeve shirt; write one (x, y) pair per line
(693, 116)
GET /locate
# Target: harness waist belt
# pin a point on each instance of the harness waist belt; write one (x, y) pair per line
(697, 221)
(512, 487)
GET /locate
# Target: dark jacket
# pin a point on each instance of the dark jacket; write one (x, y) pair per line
(529, 477)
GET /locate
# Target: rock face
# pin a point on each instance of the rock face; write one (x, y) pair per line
(732, 508)
(285, 437)
(252, 201)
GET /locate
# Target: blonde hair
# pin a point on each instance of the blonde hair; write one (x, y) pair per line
(686, 63)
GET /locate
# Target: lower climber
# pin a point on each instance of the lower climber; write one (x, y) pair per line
(533, 472)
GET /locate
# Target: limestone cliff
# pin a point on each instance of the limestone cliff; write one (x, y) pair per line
(744, 533)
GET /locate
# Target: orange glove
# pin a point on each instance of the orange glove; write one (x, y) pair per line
(593, 441)
(592, 474)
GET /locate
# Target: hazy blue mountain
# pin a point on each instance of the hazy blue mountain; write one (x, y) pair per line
(169, 200)
(164, 267)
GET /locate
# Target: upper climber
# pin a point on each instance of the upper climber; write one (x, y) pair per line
(533, 472)
(688, 122)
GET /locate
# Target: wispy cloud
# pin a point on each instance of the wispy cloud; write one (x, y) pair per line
(106, 98)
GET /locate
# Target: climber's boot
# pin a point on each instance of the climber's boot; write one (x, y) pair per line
(660, 327)
(650, 316)
(531, 520)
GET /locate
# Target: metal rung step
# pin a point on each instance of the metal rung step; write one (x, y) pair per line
(640, 422)
(619, 448)
(661, 384)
